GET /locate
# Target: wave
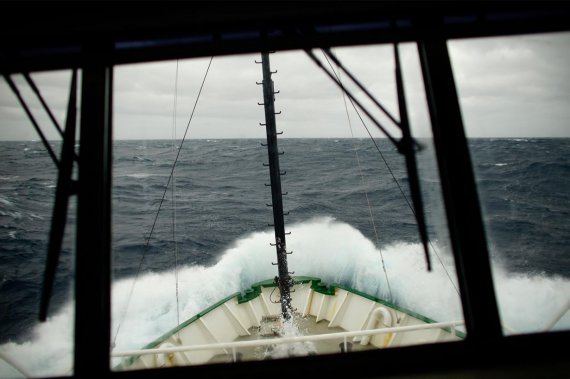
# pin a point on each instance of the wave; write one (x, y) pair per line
(5, 201)
(140, 175)
(322, 247)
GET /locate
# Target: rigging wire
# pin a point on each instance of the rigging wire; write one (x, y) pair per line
(32, 119)
(353, 99)
(337, 74)
(161, 201)
(328, 52)
(393, 176)
(174, 108)
(178, 153)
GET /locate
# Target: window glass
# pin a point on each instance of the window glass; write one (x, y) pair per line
(28, 180)
(514, 100)
(194, 243)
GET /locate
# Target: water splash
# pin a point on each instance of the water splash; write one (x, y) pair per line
(290, 328)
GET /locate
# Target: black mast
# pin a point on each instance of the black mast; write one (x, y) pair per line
(284, 280)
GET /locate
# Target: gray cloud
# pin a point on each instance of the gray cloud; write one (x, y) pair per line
(515, 86)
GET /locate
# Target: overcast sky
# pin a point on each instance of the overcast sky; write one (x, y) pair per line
(508, 87)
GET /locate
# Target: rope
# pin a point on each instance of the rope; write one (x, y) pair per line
(161, 201)
(271, 296)
(394, 178)
(363, 181)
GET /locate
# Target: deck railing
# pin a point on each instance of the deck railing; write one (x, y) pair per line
(291, 339)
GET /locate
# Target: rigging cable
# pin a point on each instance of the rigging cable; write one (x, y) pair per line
(352, 98)
(173, 195)
(178, 153)
(393, 176)
(328, 52)
(161, 201)
(337, 74)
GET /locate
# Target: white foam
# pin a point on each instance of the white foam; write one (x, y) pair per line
(49, 351)
(142, 175)
(289, 328)
(5, 201)
(529, 303)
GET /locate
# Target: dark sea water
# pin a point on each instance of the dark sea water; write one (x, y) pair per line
(212, 230)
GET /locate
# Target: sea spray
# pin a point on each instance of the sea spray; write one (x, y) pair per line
(289, 328)
(529, 303)
(49, 350)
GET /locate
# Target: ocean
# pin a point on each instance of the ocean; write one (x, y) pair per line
(179, 249)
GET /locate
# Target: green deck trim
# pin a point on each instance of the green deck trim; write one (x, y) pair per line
(316, 285)
(255, 290)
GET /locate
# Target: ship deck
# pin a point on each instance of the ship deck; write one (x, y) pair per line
(302, 325)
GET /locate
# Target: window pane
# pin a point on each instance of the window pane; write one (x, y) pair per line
(186, 244)
(28, 179)
(514, 97)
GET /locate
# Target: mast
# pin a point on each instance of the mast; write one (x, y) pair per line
(283, 280)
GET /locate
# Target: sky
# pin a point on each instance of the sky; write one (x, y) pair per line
(508, 87)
